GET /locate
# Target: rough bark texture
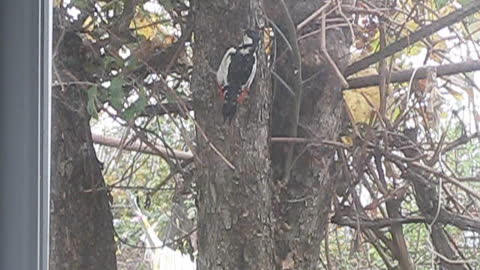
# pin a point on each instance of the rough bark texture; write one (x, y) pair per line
(81, 229)
(235, 211)
(234, 206)
(303, 202)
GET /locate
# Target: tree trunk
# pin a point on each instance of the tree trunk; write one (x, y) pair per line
(234, 205)
(235, 211)
(304, 199)
(81, 229)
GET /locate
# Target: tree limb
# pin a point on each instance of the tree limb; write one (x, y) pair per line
(401, 44)
(375, 223)
(405, 75)
(157, 110)
(137, 146)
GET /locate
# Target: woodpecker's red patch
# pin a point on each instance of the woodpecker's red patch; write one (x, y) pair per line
(243, 95)
(221, 92)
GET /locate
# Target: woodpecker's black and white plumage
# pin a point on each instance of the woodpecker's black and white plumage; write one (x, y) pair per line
(237, 71)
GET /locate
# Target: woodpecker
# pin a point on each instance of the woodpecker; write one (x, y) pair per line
(236, 73)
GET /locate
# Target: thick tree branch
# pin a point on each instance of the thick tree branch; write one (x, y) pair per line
(142, 148)
(157, 110)
(375, 223)
(446, 217)
(460, 221)
(424, 32)
(405, 75)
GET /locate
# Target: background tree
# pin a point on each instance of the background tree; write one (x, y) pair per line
(81, 230)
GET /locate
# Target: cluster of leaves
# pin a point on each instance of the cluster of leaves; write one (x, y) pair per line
(138, 63)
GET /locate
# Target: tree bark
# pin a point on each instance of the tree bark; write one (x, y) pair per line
(234, 205)
(80, 221)
(81, 229)
(304, 200)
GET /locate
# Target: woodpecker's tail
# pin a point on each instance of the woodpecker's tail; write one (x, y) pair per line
(230, 103)
(229, 110)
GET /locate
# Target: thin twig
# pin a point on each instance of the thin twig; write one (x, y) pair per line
(313, 16)
(327, 55)
(425, 31)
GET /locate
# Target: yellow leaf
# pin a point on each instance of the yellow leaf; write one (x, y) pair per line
(57, 3)
(347, 140)
(396, 112)
(162, 41)
(146, 25)
(444, 115)
(359, 106)
(267, 40)
(412, 25)
(415, 49)
(439, 42)
(457, 95)
(88, 24)
(444, 11)
(474, 29)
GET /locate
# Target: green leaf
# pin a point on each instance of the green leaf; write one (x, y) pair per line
(80, 4)
(167, 4)
(110, 60)
(92, 101)
(441, 3)
(464, 2)
(475, 29)
(132, 63)
(415, 49)
(171, 97)
(116, 93)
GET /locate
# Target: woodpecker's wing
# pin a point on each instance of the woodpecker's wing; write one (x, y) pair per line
(222, 71)
(247, 85)
(242, 69)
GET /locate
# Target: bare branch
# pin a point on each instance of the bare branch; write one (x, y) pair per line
(405, 75)
(424, 32)
(375, 223)
(137, 146)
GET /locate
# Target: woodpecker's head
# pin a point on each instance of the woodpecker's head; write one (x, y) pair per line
(251, 37)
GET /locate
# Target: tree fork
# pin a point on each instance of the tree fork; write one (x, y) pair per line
(303, 203)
